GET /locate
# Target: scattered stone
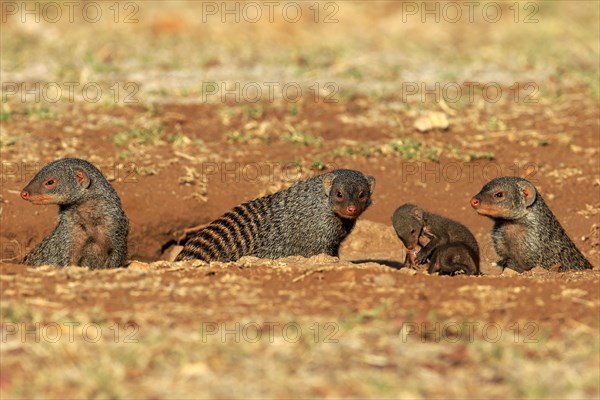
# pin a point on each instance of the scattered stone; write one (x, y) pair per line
(139, 266)
(431, 120)
(408, 271)
(384, 280)
(509, 272)
(171, 253)
(573, 293)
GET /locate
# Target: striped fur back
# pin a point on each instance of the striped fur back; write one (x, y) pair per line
(300, 220)
(231, 236)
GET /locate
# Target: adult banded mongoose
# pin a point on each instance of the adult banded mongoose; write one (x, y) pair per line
(525, 234)
(92, 226)
(311, 217)
(450, 246)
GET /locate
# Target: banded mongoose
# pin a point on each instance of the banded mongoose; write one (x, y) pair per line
(454, 258)
(525, 234)
(311, 217)
(409, 230)
(92, 226)
(450, 246)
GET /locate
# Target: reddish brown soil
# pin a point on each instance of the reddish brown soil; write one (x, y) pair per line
(160, 207)
(295, 288)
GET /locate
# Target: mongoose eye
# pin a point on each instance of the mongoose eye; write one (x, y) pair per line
(499, 195)
(412, 231)
(49, 183)
(361, 195)
(339, 194)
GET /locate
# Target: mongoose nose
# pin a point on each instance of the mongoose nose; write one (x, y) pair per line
(351, 209)
(25, 195)
(474, 202)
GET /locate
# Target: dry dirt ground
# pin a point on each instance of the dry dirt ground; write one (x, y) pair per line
(359, 326)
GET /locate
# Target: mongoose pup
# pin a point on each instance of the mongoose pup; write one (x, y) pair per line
(525, 234)
(450, 246)
(311, 217)
(409, 229)
(92, 226)
(453, 259)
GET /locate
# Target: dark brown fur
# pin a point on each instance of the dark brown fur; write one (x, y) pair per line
(456, 247)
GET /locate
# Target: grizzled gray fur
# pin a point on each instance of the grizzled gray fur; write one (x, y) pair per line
(311, 217)
(92, 226)
(525, 234)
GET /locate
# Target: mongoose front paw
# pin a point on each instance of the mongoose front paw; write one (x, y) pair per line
(421, 258)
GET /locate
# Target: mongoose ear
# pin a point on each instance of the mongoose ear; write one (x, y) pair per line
(82, 178)
(328, 182)
(417, 212)
(371, 181)
(529, 193)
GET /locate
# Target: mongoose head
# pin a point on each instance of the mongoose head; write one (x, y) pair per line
(506, 197)
(349, 192)
(61, 182)
(408, 222)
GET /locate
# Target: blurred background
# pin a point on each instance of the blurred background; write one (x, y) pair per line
(366, 47)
